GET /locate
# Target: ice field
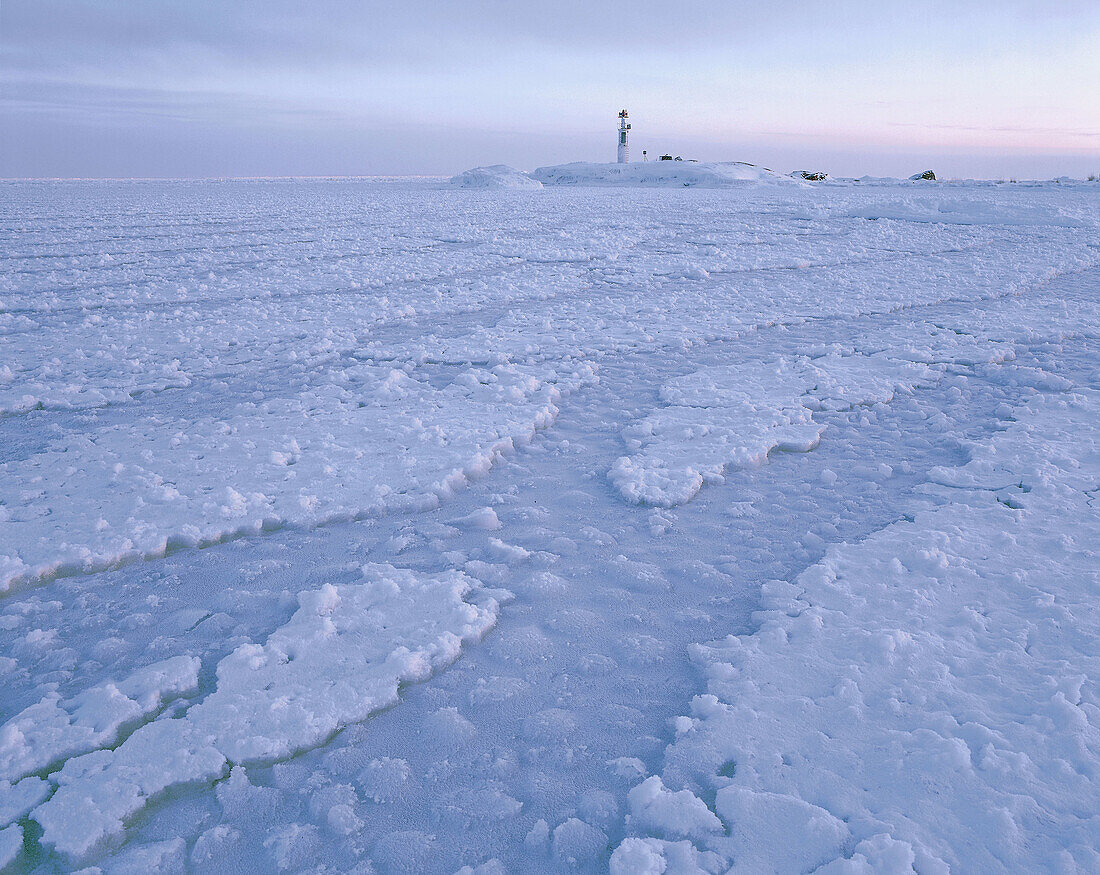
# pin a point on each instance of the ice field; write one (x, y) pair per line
(544, 523)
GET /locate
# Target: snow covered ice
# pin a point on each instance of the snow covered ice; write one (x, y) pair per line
(682, 518)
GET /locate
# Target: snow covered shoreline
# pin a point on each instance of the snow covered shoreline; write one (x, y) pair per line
(835, 443)
(703, 174)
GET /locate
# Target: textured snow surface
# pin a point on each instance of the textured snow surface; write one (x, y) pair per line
(414, 526)
(929, 691)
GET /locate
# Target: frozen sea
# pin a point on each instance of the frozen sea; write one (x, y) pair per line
(393, 526)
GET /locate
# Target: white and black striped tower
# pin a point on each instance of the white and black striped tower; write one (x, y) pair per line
(624, 149)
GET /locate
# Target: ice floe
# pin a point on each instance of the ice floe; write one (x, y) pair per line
(341, 657)
(377, 439)
(54, 730)
(736, 416)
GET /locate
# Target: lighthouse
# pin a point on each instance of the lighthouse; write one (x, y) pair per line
(624, 149)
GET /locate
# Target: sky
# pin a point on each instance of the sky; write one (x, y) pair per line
(196, 88)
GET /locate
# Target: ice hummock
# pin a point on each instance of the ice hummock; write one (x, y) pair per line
(494, 176)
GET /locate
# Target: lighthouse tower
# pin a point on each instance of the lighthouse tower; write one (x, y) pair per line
(624, 149)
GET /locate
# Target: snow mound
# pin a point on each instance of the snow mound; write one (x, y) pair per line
(494, 176)
(670, 174)
(340, 658)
